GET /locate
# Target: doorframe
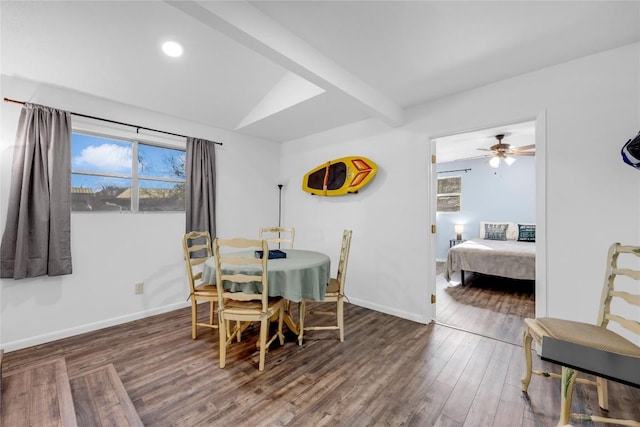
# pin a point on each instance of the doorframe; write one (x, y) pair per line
(540, 120)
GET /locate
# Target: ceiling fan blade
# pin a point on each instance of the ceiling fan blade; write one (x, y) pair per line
(524, 153)
(484, 149)
(525, 147)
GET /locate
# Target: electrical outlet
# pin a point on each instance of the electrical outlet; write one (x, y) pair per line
(138, 288)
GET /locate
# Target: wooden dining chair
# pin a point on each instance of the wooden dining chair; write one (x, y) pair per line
(334, 295)
(619, 291)
(278, 235)
(243, 268)
(197, 248)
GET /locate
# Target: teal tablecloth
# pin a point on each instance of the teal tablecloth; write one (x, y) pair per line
(301, 275)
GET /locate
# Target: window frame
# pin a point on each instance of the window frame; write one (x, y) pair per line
(442, 196)
(124, 134)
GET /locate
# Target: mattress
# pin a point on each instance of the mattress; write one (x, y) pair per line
(504, 258)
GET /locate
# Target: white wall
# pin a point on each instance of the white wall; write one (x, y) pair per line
(591, 105)
(113, 251)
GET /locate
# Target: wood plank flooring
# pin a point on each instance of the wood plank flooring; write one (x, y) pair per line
(486, 305)
(388, 372)
(38, 392)
(101, 400)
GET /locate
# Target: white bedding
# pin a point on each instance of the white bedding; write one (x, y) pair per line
(504, 258)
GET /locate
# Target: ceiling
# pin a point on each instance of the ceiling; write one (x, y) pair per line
(467, 145)
(246, 65)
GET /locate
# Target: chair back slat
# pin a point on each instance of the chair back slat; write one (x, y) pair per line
(630, 298)
(633, 274)
(628, 249)
(610, 293)
(631, 325)
(196, 248)
(241, 278)
(230, 259)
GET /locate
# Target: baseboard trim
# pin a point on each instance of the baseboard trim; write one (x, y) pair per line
(398, 313)
(89, 327)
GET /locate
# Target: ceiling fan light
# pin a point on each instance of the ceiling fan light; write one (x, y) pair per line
(509, 160)
(494, 162)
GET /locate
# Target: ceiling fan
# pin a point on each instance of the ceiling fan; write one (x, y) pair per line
(506, 152)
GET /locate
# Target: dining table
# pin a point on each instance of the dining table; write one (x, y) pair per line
(302, 274)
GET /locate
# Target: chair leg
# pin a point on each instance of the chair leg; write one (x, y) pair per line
(340, 316)
(212, 306)
(280, 322)
(527, 338)
(194, 318)
(222, 334)
(566, 395)
(264, 326)
(302, 309)
(603, 393)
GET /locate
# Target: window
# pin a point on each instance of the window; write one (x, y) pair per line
(117, 174)
(448, 197)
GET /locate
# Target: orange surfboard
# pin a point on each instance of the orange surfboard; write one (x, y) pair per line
(340, 176)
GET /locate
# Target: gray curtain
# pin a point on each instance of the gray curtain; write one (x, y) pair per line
(200, 190)
(36, 239)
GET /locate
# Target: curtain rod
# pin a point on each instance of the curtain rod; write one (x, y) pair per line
(114, 122)
(457, 170)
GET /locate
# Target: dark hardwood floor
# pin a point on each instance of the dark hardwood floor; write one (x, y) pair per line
(486, 305)
(388, 372)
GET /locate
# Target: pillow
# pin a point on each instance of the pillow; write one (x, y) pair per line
(495, 231)
(512, 229)
(526, 232)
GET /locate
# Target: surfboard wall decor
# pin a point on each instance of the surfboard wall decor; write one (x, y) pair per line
(340, 176)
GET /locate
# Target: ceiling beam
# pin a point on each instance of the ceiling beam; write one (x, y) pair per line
(249, 26)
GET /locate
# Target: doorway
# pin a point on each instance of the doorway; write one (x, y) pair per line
(506, 189)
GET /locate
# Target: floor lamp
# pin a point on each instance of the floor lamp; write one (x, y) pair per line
(280, 204)
(279, 209)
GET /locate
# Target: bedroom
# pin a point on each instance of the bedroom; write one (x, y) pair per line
(472, 192)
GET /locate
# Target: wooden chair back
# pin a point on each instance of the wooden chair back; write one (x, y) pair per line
(344, 259)
(197, 248)
(240, 252)
(278, 235)
(613, 297)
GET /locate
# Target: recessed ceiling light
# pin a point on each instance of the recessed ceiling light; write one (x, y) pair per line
(172, 49)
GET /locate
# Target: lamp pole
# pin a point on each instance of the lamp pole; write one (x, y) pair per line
(279, 210)
(279, 204)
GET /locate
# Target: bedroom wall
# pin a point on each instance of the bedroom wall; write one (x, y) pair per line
(590, 198)
(504, 194)
(113, 251)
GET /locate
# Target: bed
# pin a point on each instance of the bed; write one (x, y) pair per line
(510, 255)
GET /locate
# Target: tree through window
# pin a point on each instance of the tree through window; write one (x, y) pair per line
(449, 191)
(110, 174)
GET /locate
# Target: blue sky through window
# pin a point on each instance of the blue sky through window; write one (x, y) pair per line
(111, 156)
